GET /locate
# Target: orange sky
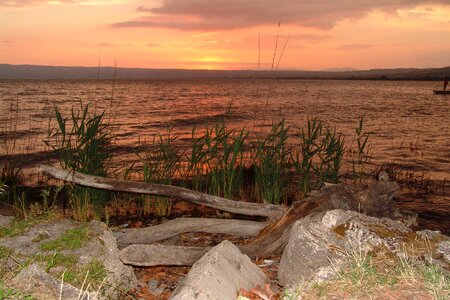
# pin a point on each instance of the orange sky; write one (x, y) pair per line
(224, 34)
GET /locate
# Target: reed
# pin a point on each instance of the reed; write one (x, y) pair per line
(303, 159)
(332, 151)
(9, 127)
(420, 181)
(11, 179)
(361, 158)
(214, 163)
(11, 175)
(196, 161)
(82, 143)
(224, 159)
(272, 163)
(122, 173)
(160, 165)
(320, 156)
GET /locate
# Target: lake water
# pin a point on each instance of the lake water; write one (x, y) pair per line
(410, 127)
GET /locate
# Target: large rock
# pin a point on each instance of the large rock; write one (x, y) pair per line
(219, 275)
(103, 246)
(320, 245)
(100, 247)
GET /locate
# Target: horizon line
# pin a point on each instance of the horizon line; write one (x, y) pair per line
(331, 70)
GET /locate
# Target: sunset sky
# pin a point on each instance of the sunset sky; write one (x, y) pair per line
(227, 34)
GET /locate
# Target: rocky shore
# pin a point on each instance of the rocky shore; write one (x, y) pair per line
(325, 251)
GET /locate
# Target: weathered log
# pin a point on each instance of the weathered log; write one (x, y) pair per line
(275, 236)
(271, 211)
(148, 235)
(161, 255)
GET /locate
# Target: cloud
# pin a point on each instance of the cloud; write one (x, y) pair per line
(20, 3)
(213, 15)
(114, 45)
(29, 3)
(354, 47)
(107, 45)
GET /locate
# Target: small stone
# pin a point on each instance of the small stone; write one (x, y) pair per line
(383, 176)
(428, 234)
(444, 249)
(161, 289)
(142, 283)
(152, 285)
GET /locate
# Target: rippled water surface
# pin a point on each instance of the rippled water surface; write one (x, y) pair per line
(410, 126)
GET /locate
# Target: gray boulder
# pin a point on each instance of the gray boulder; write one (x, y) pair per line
(101, 247)
(320, 245)
(219, 275)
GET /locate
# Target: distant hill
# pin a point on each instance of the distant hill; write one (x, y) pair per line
(55, 72)
(339, 69)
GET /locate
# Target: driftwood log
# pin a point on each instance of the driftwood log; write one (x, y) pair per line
(374, 199)
(270, 211)
(157, 255)
(148, 235)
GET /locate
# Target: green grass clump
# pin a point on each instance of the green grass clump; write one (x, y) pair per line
(69, 240)
(5, 252)
(91, 274)
(96, 269)
(67, 267)
(380, 272)
(8, 293)
(18, 226)
(15, 228)
(436, 281)
(58, 259)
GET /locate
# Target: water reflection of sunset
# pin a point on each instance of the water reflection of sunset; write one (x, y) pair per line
(226, 34)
